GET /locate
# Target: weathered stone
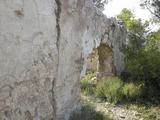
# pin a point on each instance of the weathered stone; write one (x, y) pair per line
(42, 47)
(92, 61)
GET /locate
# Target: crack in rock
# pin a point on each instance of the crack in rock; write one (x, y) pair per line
(57, 14)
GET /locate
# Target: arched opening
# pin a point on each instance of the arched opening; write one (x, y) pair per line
(97, 67)
(101, 62)
(105, 62)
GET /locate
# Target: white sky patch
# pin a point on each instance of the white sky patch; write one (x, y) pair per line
(114, 7)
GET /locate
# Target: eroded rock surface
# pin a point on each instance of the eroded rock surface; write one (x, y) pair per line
(43, 45)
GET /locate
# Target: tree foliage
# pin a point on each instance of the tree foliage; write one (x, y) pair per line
(142, 53)
(153, 6)
(136, 29)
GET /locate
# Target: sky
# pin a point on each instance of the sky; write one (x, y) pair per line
(114, 7)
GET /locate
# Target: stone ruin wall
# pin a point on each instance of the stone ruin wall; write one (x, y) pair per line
(43, 46)
(101, 62)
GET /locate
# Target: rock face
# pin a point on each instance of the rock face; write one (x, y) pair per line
(43, 45)
(92, 61)
(101, 31)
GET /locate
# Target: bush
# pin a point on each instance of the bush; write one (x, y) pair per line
(145, 66)
(110, 89)
(86, 84)
(87, 112)
(132, 91)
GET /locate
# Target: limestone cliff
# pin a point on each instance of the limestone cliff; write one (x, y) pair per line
(43, 45)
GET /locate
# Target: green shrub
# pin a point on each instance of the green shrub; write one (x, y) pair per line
(87, 112)
(110, 89)
(87, 85)
(132, 91)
